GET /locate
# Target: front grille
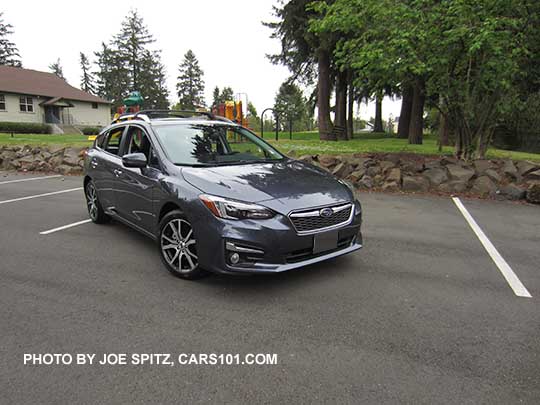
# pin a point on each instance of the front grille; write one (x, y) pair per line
(312, 220)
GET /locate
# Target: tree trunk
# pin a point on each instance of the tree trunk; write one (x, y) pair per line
(443, 131)
(350, 108)
(405, 114)
(340, 121)
(416, 127)
(378, 125)
(323, 99)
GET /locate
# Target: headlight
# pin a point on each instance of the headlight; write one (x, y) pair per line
(229, 209)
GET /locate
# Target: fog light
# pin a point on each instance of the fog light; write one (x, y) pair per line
(234, 258)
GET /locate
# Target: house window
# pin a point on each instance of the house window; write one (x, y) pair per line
(26, 104)
(2, 102)
(94, 106)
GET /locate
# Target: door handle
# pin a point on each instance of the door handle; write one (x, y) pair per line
(94, 163)
(117, 172)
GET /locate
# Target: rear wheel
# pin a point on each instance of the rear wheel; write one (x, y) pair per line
(178, 246)
(95, 211)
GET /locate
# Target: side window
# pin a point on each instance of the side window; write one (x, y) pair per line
(114, 138)
(139, 142)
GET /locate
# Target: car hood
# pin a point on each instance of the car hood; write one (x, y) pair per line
(281, 186)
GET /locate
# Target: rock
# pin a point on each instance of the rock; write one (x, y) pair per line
(373, 171)
(328, 161)
(448, 160)
(533, 193)
(366, 182)
(28, 163)
(412, 167)
(392, 157)
(377, 180)
(303, 158)
(436, 176)
(482, 165)
(356, 175)
(417, 183)
(535, 175)
(524, 167)
(386, 165)
(512, 192)
(65, 169)
(390, 186)
(342, 170)
(45, 155)
(433, 164)
(394, 175)
(509, 169)
(56, 160)
(493, 175)
(484, 186)
(460, 173)
(454, 186)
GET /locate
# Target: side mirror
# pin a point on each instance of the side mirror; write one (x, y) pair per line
(137, 160)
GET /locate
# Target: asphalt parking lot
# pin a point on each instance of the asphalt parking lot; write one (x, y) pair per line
(422, 314)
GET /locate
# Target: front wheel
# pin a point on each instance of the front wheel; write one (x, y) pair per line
(95, 211)
(178, 246)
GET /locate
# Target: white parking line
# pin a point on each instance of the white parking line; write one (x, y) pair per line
(61, 228)
(31, 179)
(41, 195)
(506, 270)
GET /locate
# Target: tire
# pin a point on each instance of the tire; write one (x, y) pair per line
(95, 210)
(178, 246)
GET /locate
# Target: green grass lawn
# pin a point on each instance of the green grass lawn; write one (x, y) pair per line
(44, 139)
(308, 143)
(303, 143)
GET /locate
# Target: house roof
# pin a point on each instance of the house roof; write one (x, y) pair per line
(33, 82)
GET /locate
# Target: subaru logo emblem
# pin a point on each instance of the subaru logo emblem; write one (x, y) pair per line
(326, 212)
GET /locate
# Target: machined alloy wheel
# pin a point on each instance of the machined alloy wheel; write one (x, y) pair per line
(95, 211)
(91, 201)
(179, 247)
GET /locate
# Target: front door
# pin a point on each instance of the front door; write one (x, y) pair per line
(135, 188)
(106, 166)
(52, 114)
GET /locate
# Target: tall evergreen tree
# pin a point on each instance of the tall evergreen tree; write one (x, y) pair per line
(112, 82)
(56, 68)
(87, 78)
(215, 97)
(131, 44)
(190, 85)
(292, 105)
(9, 54)
(227, 94)
(127, 64)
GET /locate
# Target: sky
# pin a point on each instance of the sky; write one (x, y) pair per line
(226, 36)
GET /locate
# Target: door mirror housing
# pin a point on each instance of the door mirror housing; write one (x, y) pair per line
(137, 160)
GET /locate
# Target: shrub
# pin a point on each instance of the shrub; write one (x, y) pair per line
(90, 130)
(25, 128)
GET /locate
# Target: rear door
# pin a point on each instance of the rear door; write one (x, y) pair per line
(135, 188)
(106, 165)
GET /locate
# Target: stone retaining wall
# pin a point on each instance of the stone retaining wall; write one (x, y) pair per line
(496, 178)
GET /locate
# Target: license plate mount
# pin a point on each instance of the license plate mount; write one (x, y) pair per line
(323, 242)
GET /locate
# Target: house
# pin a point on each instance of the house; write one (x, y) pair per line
(31, 96)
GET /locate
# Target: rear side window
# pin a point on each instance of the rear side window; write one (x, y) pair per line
(113, 140)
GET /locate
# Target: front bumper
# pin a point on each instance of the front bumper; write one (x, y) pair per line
(283, 248)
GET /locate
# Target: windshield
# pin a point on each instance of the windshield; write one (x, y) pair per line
(199, 144)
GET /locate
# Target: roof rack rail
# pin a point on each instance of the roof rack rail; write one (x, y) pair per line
(130, 116)
(180, 114)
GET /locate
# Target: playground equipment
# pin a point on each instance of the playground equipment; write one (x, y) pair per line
(131, 104)
(231, 110)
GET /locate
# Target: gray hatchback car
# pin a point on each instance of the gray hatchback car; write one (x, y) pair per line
(216, 197)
